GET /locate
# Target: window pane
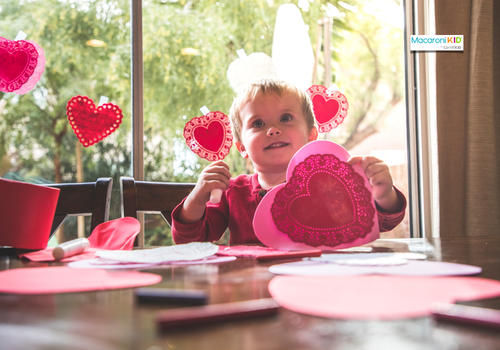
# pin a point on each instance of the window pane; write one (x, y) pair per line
(87, 51)
(188, 47)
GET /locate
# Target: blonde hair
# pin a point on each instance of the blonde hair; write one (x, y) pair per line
(264, 86)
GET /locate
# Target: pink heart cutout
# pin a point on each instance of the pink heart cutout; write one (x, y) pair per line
(92, 124)
(330, 107)
(209, 136)
(325, 203)
(22, 62)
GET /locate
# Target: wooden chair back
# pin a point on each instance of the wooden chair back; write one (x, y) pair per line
(151, 197)
(86, 198)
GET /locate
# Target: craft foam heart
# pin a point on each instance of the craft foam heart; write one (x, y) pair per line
(244, 70)
(376, 297)
(26, 214)
(411, 268)
(92, 124)
(325, 203)
(22, 63)
(63, 279)
(330, 107)
(180, 252)
(209, 136)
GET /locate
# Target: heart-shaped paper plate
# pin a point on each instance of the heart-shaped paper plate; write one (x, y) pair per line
(91, 124)
(22, 62)
(209, 136)
(330, 107)
(325, 204)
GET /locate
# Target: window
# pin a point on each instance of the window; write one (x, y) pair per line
(187, 47)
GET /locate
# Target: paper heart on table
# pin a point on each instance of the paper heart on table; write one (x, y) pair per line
(92, 124)
(325, 203)
(330, 107)
(209, 136)
(22, 63)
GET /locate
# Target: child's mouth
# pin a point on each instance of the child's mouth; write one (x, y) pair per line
(277, 145)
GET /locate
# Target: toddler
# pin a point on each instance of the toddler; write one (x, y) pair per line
(271, 120)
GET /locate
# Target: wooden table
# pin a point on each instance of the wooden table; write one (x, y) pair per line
(113, 319)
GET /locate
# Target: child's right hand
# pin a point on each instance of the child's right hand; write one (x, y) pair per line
(214, 176)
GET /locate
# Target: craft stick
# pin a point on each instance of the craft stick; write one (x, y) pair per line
(215, 196)
(176, 296)
(178, 318)
(467, 314)
(70, 248)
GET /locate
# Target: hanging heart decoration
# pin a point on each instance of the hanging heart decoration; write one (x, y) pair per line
(92, 124)
(209, 136)
(22, 63)
(325, 203)
(330, 107)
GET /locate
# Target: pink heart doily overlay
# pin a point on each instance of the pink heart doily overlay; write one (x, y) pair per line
(325, 204)
(22, 63)
(209, 136)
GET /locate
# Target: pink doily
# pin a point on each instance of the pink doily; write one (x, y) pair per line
(209, 136)
(325, 202)
(330, 107)
(22, 63)
(92, 124)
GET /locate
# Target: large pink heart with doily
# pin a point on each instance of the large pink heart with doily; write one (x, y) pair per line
(22, 62)
(330, 107)
(209, 136)
(92, 124)
(325, 204)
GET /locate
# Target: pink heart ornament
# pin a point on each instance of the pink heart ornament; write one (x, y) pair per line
(209, 136)
(330, 107)
(22, 63)
(337, 209)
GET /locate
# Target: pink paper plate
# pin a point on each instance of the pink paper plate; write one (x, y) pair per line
(326, 203)
(376, 297)
(63, 279)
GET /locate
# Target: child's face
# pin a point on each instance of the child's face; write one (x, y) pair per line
(272, 130)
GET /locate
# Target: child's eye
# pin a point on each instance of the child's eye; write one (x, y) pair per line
(286, 118)
(258, 123)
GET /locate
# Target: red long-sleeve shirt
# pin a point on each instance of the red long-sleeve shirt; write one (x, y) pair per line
(236, 211)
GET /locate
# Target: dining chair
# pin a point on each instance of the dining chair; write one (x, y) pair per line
(85, 198)
(151, 197)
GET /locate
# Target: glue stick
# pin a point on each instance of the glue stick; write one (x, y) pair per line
(70, 248)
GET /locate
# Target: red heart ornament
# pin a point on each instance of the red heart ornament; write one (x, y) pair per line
(330, 107)
(209, 136)
(325, 203)
(22, 62)
(92, 124)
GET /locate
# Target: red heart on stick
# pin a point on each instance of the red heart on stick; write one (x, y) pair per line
(92, 124)
(18, 61)
(330, 107)
(209, 136)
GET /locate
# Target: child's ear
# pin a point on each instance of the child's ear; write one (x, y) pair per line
(313, 134)
(241, 149)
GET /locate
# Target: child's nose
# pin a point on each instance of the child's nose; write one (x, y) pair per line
(273, 131)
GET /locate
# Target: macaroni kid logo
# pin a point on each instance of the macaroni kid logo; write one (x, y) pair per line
(437, 43)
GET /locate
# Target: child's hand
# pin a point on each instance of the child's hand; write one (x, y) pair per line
(380, 179)
(214, 176)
